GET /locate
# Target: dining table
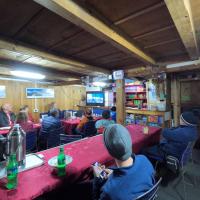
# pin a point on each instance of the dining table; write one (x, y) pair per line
(72, 123)
(6, 130)
(38, 181)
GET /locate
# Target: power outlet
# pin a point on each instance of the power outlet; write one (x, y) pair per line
(35, 110)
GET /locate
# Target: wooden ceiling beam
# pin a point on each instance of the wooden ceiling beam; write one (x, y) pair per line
(181, 14)
(184, 68)
(77, 15)
(148, 70)
(139, 13)
(66, 64)
(195, 13)
(78, 82)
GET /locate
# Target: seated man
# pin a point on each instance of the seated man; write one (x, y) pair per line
(175, 140)
(133, 175)
(7, 117)
(51, 122)
(104, 122)
(53, 105)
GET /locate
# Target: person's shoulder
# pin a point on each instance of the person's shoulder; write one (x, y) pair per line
(99, 121)
(56, 119)
(142, 158)
(143, 162)
(46, 119)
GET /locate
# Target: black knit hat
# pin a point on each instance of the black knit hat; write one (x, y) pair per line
(189, 118)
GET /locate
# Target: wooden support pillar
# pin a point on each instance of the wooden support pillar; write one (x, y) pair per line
(168, 93)
(120, 101)
(176, 86)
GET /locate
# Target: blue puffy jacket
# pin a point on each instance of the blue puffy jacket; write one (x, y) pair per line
(176, 139)
(50, 123)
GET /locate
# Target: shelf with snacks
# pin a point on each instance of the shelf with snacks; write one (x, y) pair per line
(136, 96)
(148, 117)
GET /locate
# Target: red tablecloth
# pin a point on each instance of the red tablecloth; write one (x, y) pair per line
(37, 126)
(140, 139)
(35, 182)
(2, 132)
(5, 132)
(70, 124)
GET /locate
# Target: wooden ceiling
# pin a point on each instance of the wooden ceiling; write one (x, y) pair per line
(63, 47)
(148, 23)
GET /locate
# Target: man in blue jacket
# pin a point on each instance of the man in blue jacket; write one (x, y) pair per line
(175, 140)
(133, 175)
(49, 124)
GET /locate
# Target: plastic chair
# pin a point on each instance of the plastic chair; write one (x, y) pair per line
(184, 165)
(31, 141)
(89, 129)
(150, 194)
(53, 138)
(64, 139)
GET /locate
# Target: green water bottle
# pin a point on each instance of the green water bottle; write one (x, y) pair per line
(12, 172)
(61, 163)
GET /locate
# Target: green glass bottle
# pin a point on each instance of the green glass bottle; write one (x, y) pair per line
(12, 172)
(61, 163)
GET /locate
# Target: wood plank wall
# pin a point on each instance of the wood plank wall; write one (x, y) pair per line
(66, 97)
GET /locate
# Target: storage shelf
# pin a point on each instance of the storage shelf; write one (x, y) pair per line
(132, 92)
(133, 85)
(136, 99)
(144, 107)
(135, 92)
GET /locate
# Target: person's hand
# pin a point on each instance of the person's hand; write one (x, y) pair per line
(97, 170)
(108, 172)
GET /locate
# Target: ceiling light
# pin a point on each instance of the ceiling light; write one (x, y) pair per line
(25, 74)
(99, 84)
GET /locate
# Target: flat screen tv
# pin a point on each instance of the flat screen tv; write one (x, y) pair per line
(95, 99)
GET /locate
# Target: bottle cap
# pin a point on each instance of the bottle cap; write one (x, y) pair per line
(17, 126)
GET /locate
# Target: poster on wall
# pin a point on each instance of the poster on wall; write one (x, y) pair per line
(39, 93)
(2, 91)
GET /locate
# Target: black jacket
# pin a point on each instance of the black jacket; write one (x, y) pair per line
(4, 121)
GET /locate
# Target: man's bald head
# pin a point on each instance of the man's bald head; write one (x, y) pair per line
(7, 107)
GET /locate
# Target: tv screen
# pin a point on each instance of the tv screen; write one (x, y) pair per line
(95, 99)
